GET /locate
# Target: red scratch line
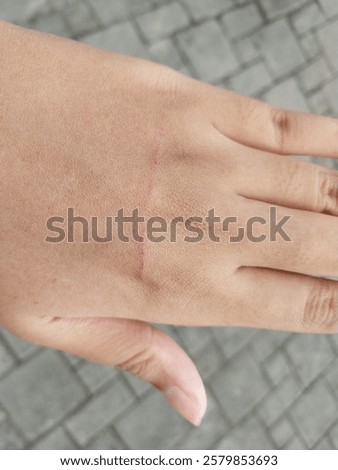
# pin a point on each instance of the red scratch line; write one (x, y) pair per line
(150, 192)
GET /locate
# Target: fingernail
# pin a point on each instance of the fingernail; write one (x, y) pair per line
(191, 408)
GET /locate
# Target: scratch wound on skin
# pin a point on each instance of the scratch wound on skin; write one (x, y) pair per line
(154, 158)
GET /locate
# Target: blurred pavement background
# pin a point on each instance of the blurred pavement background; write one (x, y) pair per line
(266, 389)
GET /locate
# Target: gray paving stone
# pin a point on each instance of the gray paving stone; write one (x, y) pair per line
(209, 51)
(40, 394)
(56, 5)
(194, 339)
(310, 45)
(312, 418)
(276, 8)
(140, 387)
(10, 439)
(266, 342)
(206, 436)
(307, 18)
(116, 11)
(74, 361)
(106, 440)
(56, 440)
(165, 52)
(166, 427)
(295, 443)
(334, 435)
(330, 7)
(325, 162)
(95, 376)
(242, 21)
(206, 9)
(250, 435)
(311, 354)
(324, 444)
(315, 75)
(53, 23)
(277, 367)
(331, 376)
(282, 432)
(119, 38)
(232, 340)
(186, 71)
(156, 3)
(279, 400)
(246, 50)
(330, 93)
(209, 359)
(80, 19)
(21, 349)
(328, 38)
(7, 360)
(334, 342)
(279, 48)
(252, 80)
(319, 102)
(163, 22)
(287, 94)
(98, 413)
(170, 330)
(240, 386)
(19, 11)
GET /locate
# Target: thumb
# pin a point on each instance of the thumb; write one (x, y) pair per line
(134, 346)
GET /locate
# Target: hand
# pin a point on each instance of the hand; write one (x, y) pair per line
(95, 131)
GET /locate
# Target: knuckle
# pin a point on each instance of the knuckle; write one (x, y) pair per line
(281, 125)
(320, 312)
(327, 191)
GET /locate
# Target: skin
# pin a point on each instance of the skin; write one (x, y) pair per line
(98, 131)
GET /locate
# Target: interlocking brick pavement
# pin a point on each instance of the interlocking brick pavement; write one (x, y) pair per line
(99, 412)
(242, 21)
(163, 22)
(40, 393)
(266, 389)
(274, 9)
(122, 35)
(208, 51)
(328, 36)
